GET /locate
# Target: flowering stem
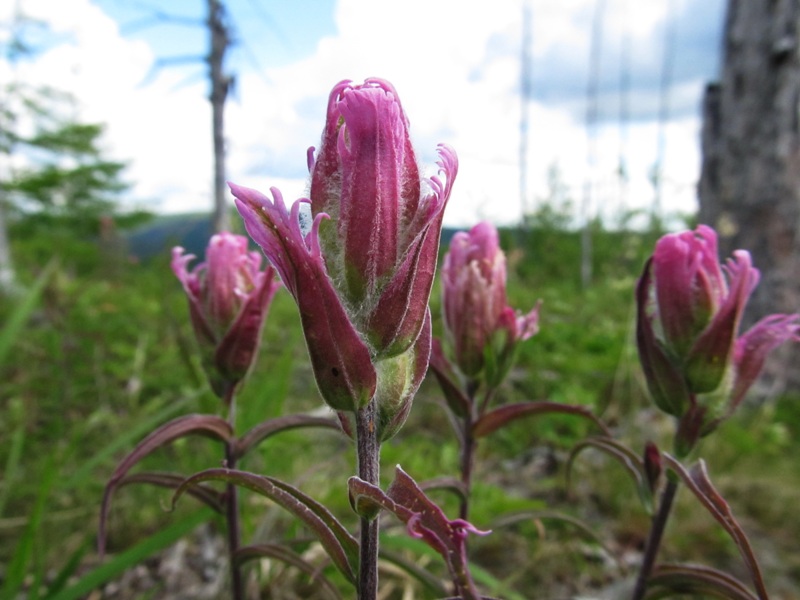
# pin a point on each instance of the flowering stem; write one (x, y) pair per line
(468, 447)
(654, 540)
(368, 448)
(232, 505)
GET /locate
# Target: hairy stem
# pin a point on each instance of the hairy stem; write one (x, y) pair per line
(468, 448)
(232, 506)
(467, 462)
(368, 448)
(654, 539)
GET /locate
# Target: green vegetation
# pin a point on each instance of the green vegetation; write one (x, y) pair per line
(101, 351)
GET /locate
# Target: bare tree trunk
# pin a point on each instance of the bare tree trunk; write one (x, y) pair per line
(8, 279)
(220, 83)
(750, 180)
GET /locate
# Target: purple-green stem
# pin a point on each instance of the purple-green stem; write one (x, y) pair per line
(468, 446)
(232, 504)
(654, 539)
(368, 451)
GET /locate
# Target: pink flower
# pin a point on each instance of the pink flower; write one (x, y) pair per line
(689, 310)
(478, 321)
(362, 274)
(229, 297)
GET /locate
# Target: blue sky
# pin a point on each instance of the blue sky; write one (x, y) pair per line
(456, 66)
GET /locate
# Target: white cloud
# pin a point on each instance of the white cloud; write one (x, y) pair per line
(456, 70)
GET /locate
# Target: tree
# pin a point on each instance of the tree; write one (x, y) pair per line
(750, 180)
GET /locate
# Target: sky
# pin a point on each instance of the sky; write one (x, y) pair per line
(136, 66)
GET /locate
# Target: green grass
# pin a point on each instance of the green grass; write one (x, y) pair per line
(102, 351)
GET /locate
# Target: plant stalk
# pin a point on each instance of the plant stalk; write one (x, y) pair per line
(368, 450)
(232, 506)
(467, 463)
(654, 539)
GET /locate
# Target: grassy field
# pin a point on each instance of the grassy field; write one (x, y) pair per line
(106, 353)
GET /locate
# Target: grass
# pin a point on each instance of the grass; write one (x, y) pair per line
(102, 351)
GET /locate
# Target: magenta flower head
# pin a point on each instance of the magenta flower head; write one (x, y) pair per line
(689, 309)
(362, 272)
(229, 297)
(482, 330)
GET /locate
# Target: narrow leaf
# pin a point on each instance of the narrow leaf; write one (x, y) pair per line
(285, 555)
(421, 574)
(501, 416)
(68, 570)
(207, 495)
(272, 426)
(694, 579)
(632, 462)
(24, 551)
(133, 556)
(86, 471)
(456, 399)
(338, 543)
(516, 517)
(699, 483)
(451, 484)
(19, 316)
(207, 425)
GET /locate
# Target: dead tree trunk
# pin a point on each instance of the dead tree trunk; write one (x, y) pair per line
(750, 180)
(220, 83)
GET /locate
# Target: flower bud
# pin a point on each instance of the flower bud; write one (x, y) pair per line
(483, 331)
(362, 275)
(688, 312)
(229, 297)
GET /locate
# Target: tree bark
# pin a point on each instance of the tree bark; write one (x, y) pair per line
(750, 179)
(220, 83)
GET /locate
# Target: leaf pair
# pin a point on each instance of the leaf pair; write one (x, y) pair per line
(210, 426)
(669, 579)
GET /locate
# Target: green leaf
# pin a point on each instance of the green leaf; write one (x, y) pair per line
(284, 554)
(86, 470)
(133, 556)
(338, 543)
(18, 567)
(632, 462)
(16, 321)
(537, 515)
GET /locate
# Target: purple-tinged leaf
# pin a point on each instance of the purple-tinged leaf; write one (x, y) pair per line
(207, 425)
(207, 495)
(424, 520)
(338, 543)
(443, 370)
(697, 480)
(632, 462)
(272, 426)
(285, 555)
(501, 416)
(694, 579)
